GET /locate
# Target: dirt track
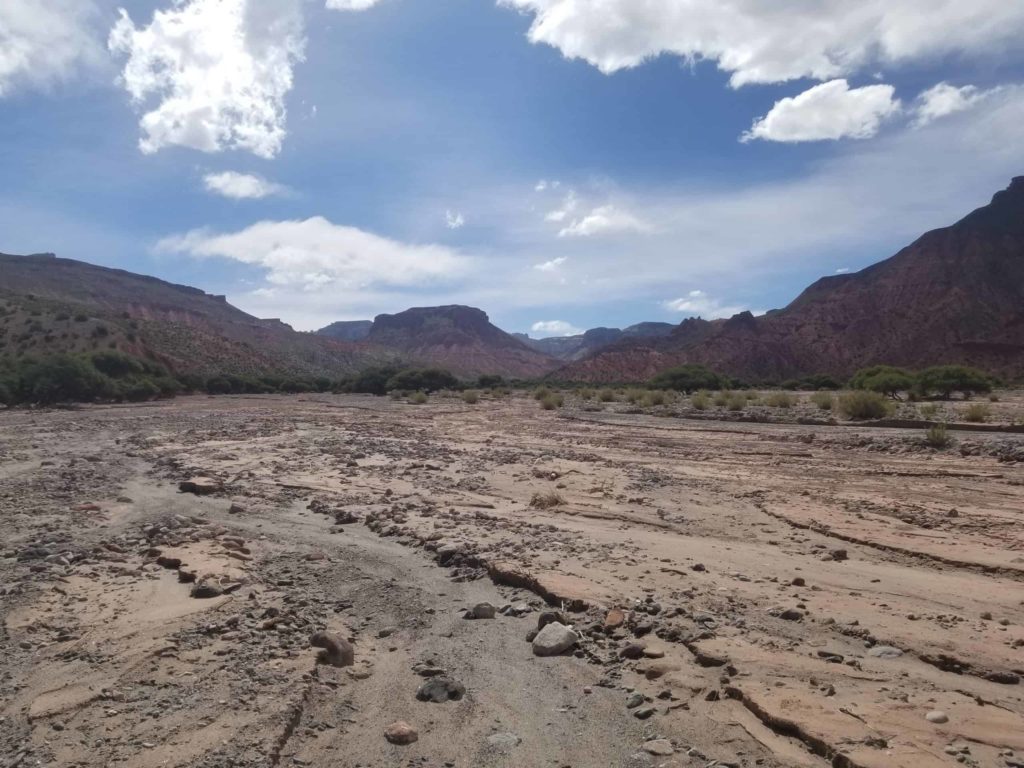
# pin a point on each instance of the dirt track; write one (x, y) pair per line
(721, 542)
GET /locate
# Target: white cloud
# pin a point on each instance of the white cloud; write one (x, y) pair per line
(699, 304)
(218, 70)
(828, 111)
(842, 270)
(605, 220)
(945, 99)
(546, 328)
(454, 220)
(43, 42)
(767, 42)
(351, 5)
(241, 186)
(552, 265)
(316, 254)
(568, 206)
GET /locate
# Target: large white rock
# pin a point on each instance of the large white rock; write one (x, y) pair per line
(553, 640)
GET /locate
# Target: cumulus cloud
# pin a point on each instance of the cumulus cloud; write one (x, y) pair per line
(454, 220)
(562, 212)
(605, 220)
(769, 42)
(552, 265)
(43, 42)
(945, 99)
(828, 111)
(215, 72)
(699, 304)
(315, 254)
(241, 186)
(351, 5)
(546, 328)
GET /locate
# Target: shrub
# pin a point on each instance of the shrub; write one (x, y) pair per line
(546, 500)
(426, 379)
(885, 379)
(138, 390)
(947, 379)
(586, 393)
(418, 398)
(780, 400)
(721, 398)
(551, 402)
(978, 413)
(993, 398)
(688, 378)
(606, 396)
(823, 400)
(736, 402)
(653, 398)
(928, 410)
(862, 404)
(489, 381)
(937, 436)
(700, 401)
(540, 393)
(62, 379)
(471, 397)
(6, 398)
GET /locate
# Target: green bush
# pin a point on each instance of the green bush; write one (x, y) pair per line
(6, 397)
(780, 400)
(721, 399)
(736, 402)
(653, 398)
(606, 396)
(489, 381)
(688, 378)
(978, 413)
(944, 380)
(540, 393)
(551, 402)
(700, 401)
(928, 410)
(823, 400)
(860, 405)
(471, 397)
(418, 398)
(884, 379)
(937, 436)
(426, 379)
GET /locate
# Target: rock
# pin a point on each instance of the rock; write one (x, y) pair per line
(798, 582)
(481, 611)
(440, 690)
(791, 614)
(614, 619)
(548, 617)
(206, 590)
(838, 554)
(236, 509)
(171, 563)
(937, 717)
(337, 651)
(699, 567)
(885, 652)
(401, 733)
(643, 712)
(635, 700)
(554, 639)
(659, 747)
(503, 740)
(632, 650)
(1003, 678)
(201, 486)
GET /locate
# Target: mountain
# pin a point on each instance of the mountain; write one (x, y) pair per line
(53, 305)
(347, 330)
(587, 343)
(955, 295)
(461, 339)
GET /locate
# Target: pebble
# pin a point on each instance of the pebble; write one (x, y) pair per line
(659, 747)
(937, 717)
(401, 733)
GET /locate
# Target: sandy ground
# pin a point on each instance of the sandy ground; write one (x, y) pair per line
(743, 594)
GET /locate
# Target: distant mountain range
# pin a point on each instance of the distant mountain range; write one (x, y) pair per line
(956, 295)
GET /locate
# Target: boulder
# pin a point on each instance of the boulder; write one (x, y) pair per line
(554, 639)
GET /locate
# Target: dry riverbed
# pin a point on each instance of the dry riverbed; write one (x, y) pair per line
(665, 591)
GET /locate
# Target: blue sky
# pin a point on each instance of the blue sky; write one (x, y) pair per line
(562, 164)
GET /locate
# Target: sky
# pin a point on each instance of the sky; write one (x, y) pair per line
(561, 164)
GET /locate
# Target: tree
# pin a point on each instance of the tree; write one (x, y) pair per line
(947, 379)
(688, 378)
(884, 379)
(425, 379)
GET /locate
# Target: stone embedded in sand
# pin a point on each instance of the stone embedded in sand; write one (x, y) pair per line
(171, 563)
(481, 611)
(206, 590)
(440, 690)
(614, 619)
(838, 554)
(503, 740)
(553, 640)
(632, 650)
(885, 652)
(337, 651)
(937, 717)
(401, 733)
(550, 617)
(201, 486)
(659, 747)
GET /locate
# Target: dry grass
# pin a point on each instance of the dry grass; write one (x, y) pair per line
(546, 500)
